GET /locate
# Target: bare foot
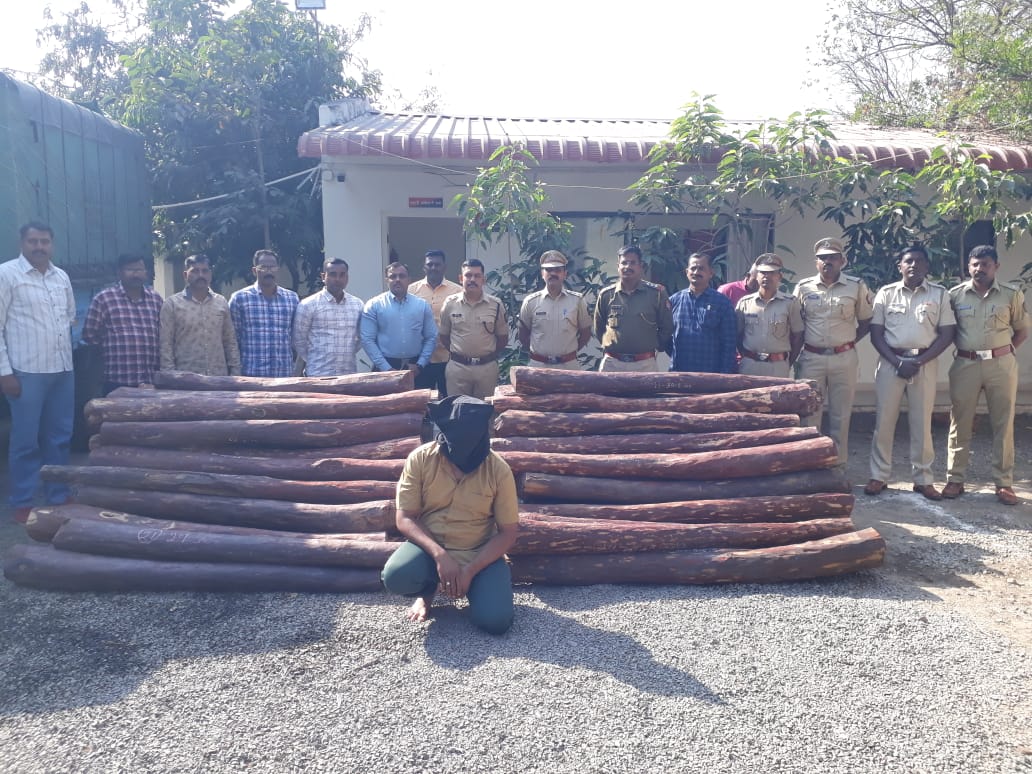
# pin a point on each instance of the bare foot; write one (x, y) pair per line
(420, 609)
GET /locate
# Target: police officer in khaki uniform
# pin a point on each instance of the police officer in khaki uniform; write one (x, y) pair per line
(632, 318)
(554, 322)
(770, 326)
(991, 324)
(913, 324)
(837, 312)
(475, 330)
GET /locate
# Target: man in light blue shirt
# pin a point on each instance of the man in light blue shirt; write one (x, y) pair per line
(398, 329)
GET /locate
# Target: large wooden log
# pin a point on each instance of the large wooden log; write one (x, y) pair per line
(287, 433)
(645, 443)
(837, 555)
(535, 424)
(619, 490)
(812, 454)
(737, 510)
(44, 567)
(221, 484)
(177, 542)
(376, 383)
(123, 393)
(292, 466)
(243, 512)
(797, 398)
(197, 406)
(391, 449)
(581, 536)
(551, 381)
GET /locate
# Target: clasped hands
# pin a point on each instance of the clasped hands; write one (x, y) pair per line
(907, 368)
(454, 579)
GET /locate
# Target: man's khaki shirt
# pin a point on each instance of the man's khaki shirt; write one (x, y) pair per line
(765, 325)
(473, 328)
(634, 323)
(198, 336)
(831, 313)
(435, 297)
(912, 318)
(460, 515)
(554, 323)
(990, 322)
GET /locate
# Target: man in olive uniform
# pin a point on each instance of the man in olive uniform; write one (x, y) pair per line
(991, 324)
(475, 330)
(837, 311)
(554, 322)
(913, 324)
(632, 318)
(770, 325)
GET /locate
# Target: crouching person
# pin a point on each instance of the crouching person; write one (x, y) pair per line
(457, 507)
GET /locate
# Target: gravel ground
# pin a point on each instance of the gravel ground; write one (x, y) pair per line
(924, 665)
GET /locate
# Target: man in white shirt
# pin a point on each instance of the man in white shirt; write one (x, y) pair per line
(326, 325)
(37, 309)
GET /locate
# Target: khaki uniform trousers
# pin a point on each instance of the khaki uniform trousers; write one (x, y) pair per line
(613, 365)
(752, 367)
(573, 365)
(999, 378)
(477, 381)
(836, 377)
(920, 392)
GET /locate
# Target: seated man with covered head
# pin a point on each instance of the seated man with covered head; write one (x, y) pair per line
(458, 509)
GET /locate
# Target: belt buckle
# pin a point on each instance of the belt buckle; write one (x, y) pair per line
(553, 359)
(763, 356)
(625, 358)
(984, 354)
(911, 352)
(474, 361)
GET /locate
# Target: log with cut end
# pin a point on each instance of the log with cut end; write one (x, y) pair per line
(242, 511)
(797, 398)
(554, 535)
(183, 406)
(178, 542)
(837, 555)
(645, 443)
(288, 433)
(535, 424)
(551, 381)
(619, 490)
(45, 567)
(812, 454)
(376, 383)
(292, 466)
(739, 510)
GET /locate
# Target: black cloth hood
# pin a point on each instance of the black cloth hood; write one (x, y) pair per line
(462, 428)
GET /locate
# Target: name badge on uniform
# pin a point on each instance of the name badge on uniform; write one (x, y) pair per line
(540, 313)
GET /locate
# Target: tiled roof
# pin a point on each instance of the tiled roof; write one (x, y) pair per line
(440, 138)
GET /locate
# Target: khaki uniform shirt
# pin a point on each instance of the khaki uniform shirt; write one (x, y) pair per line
(460, 515)
(831, 313)
(554, 323)
(198, 336)
(765, 325)
(912, 318)
(435, 297)
(635, 323)
(473, 327)
(990, 322)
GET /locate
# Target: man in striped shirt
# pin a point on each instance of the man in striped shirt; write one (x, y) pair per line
(326, 327)
(37, 309)
(263, 318)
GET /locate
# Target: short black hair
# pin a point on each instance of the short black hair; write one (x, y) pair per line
(435, 254)
(35, 225)
(264, 251)
(630, 250)
(914, 247)
(474, 263)
(127, 258)
(984, 251)
(396, 265)
(335, 262)
(193, 260)
(697, 256)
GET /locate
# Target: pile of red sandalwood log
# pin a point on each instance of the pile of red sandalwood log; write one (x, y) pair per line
(244, 484)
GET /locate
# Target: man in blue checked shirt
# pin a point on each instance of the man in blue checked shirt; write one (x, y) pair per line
(397, 329)
(705, 327)
(263, 318)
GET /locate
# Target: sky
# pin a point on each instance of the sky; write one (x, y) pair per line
(563, 58)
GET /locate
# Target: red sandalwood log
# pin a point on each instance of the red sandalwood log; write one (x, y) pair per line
(379, 383)
(644, 443)
(534, 424)
(739, 510)
(550, 381)
(394, 448)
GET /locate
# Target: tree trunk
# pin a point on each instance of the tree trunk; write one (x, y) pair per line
(613, 491)
(645, 443)
(836, 555)
(288, 433)
(551, 381)
(292, 467)
(243, 512)
(377, 383)
(222, 484)
(44, 567)
(536, 424)
(741, 510)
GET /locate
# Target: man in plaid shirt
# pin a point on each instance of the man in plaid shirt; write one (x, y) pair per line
(263, 318)
(326, 328)
(705, 326)
(123, 321)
